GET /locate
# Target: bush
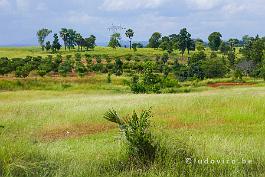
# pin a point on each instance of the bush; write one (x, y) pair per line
(80, 69)
(65, 68)
(214, 68)
(118, 67)
(23, 71)
(97, 67)
(35, 62)
(141, 146)
(56, 63)
(4, 66)
(262, 71)
(45, 67)
(78, 57)
(138, 88)
(195, 65)
(165, 57)
(247, 67)
(183, 73)
(98, 60)
(168, 83)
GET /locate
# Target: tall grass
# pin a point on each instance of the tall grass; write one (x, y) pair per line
(216, 124)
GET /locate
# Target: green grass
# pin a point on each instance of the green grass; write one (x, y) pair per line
(216, 124)
(16, 52)
(54, 126)
(13, 52)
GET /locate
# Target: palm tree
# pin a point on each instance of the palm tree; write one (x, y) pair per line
(137, 133)
(64, 35)
(129, 33)
(78, 40)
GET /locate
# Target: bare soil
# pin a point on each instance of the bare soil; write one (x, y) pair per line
(73, 131)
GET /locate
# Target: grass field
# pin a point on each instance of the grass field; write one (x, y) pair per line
(54, 126)
(63, 133)
(13, 52)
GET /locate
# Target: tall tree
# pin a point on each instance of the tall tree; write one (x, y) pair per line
(224, 47)
(174, 38)
(71, 38)
(90, 42)
(253, 50)
(56, 46)
(233, 42)
(215, 40)
(130, 33)
(42, 34)
(64, 35)
(191, 46)
(115, 40)
(154, 40)
(78, 40)
(185, 41)
(166, 44)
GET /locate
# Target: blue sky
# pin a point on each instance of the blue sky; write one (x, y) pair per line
(20, 19)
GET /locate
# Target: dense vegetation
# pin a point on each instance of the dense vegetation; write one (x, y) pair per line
(149, 73)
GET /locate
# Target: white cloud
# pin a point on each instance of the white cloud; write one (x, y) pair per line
(23, 5)
(203, 4)
(82, 18)
(234, 8)
(41, 6)
(120, 5)
(4, 4)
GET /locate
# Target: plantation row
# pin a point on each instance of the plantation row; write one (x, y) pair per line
(147, 75)
(81, 65)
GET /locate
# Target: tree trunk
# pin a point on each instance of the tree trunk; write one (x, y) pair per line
(130, 44)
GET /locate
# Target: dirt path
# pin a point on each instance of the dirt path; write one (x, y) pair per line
(229, 84)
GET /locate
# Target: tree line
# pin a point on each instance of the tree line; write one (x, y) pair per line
(70, 38)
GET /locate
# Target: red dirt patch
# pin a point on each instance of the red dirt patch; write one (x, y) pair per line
(229, 84)
(73, 131)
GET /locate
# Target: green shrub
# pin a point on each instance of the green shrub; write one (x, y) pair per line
(262, 72)
(23, 71)
(165, 57)
(98, 60)
(118, 67)
(168, 83)
(45, 67)
(35, 62)
(141, 145)
(4, 66)
(97, 67)
(56, 63)
(78, 57)
(109, 78)
(138, 88)
(65, 68)
(80, 69)
(214, 68)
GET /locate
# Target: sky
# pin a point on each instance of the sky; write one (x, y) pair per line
(20, 19)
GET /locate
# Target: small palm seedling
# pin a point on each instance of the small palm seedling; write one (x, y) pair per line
(141, 146)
